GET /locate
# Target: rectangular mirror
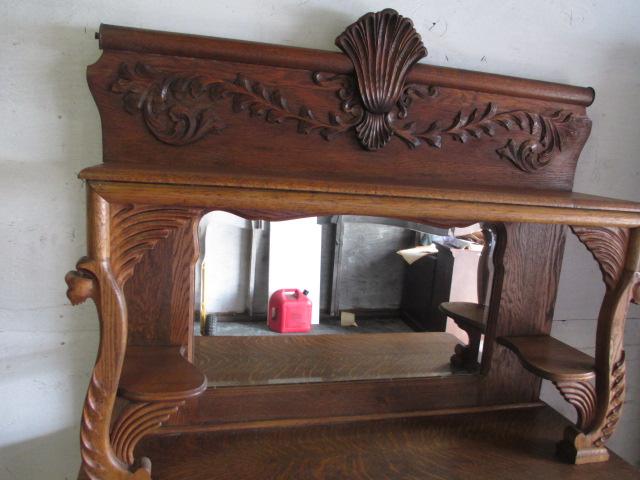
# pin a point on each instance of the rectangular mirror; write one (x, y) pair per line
(339, 298)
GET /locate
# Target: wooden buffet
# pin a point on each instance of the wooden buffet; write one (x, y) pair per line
(194, 124)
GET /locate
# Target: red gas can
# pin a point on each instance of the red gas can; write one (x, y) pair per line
(289, 311)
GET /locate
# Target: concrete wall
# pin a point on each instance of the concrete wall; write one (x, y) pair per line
(50, 130)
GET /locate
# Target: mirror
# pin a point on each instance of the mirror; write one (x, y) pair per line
(338, 298)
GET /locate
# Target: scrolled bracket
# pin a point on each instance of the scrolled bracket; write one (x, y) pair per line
(617, 251)
(136, 421)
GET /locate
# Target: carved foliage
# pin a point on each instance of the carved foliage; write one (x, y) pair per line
(616, 400)
(137, 229)
(136, 421)
(582, 395)
(175, 108)
(543, 133)
(382, 46)
(608, 245)
(179, 110)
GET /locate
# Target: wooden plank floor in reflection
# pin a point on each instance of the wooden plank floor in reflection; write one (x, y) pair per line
(260, 360)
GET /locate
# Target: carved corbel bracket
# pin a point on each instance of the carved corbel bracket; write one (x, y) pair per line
(617, 252)
(136, 421)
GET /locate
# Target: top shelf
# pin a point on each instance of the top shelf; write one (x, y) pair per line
(535, 206)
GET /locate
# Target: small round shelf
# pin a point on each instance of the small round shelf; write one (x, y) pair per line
(159, 374)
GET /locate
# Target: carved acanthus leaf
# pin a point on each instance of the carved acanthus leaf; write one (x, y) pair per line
(137, 229)
(544, 133)
(582, 395)
(175, 108)
(179, 110)
(136, 421)
(608, 245)
(616, 395)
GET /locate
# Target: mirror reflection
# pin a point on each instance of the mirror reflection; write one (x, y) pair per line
(338, 298)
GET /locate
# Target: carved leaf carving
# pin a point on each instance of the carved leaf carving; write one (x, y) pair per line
(137, 229)
(608, 245)
(136, 421)
(544, 133)
(582, 395)
(175, 108)
(616, 395)
(179, 110)
(383, 46)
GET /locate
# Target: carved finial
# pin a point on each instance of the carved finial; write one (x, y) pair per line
(382, 46)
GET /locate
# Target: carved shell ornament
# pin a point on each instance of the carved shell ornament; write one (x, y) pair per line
(382, 46)
(182, 108)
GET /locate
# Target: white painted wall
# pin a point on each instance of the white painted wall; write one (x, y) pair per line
(294, 259)
(50, 130)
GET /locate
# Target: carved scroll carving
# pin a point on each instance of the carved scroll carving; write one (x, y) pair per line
(136, 421)
(382, 46)
(179, 110)
(582, 395)
(544, 133)
(93, 278)
(120, 237)
(608, 246)
(137, 229)
(617, 251)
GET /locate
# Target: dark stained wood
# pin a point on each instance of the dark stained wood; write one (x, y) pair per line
(271, 204)
(550, 358)
(198, 46)
(230, 177)
(522, 301)
(156, 374)
(484, 446)
(192, 124)
(262, 360)
(254, 117)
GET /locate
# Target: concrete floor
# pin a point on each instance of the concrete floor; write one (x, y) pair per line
(327, 326)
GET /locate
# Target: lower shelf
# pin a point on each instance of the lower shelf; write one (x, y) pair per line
(505, 444)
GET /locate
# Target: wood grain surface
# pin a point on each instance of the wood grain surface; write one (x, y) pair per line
(509, 445)
(263, 360)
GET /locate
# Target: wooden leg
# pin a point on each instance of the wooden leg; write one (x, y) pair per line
(94, 279)
(618, 254)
